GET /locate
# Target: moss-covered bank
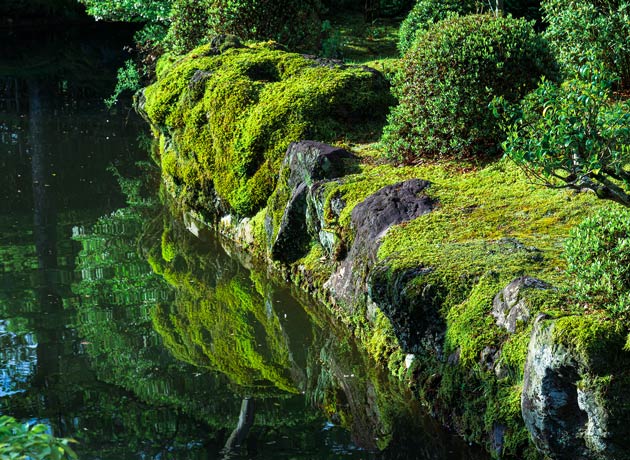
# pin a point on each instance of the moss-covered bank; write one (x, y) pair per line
(446, 298)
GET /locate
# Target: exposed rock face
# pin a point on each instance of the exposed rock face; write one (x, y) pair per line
(307, 164)
(412, 307)
(370, 219)
(510, 306)
(568, 417)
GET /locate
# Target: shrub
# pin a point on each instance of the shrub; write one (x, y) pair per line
(189, 25)
(129, 10)
(427, 12)
(294, 23)
(449, 77)
(601, 27)
(598, 257)
(574, 135)
(31, 441)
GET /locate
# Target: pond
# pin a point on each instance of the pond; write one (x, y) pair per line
(123, 330)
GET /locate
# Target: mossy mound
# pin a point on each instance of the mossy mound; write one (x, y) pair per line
(226, 118)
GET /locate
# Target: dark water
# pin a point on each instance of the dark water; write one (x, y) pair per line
(121, 329)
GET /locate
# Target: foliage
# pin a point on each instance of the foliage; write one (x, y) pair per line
(371, 9)
(331, 41)
(294, 23)
(427, 12)
(128, 79)
(598, 257)
(129, 10)
(232, 116)
(31, 442)
(573, 135)
(580, 28)
(449, 77)
(389, 8)
(189, 25)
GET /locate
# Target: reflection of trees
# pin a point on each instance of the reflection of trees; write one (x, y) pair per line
(118, 291)
(54, 127)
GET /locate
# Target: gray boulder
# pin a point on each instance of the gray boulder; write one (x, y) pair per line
(573, 405)
(370, 220)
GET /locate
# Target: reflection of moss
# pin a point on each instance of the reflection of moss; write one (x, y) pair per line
(231, 117)
(221, 318)
(217, 329)
(118, 292)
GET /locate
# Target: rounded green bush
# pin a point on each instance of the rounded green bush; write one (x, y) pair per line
(590, 28)
(426, 12)
(295, 24)
(598, 257)
(448, 78)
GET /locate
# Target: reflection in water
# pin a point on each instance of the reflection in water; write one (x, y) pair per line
(228, 318)
(19, 358)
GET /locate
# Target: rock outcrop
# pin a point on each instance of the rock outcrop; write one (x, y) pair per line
(370, 220)
(570, 400)
(510, 306)
(306, 166)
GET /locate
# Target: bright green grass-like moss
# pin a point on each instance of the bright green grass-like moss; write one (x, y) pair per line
(232, 116)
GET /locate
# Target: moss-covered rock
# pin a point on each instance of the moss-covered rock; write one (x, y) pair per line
(574, 395)
(226, 118)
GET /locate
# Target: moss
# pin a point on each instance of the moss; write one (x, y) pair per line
(379, 341)
(470, 327)
(490, 226)
(598, 340)
(487, 205)
(168, 247)
(231, 116)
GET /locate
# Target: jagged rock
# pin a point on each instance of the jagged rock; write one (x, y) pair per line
(316, 219)
(306, 164)
(567, 415)
(311, 161)
(370, 220)
(509, 305)
(411, 306)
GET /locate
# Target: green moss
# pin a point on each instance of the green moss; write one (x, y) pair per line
(470, 326)
(168, 247)
(231, 117)
(379, 341)
(487, 205)
(595, 338)
(490, 226)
